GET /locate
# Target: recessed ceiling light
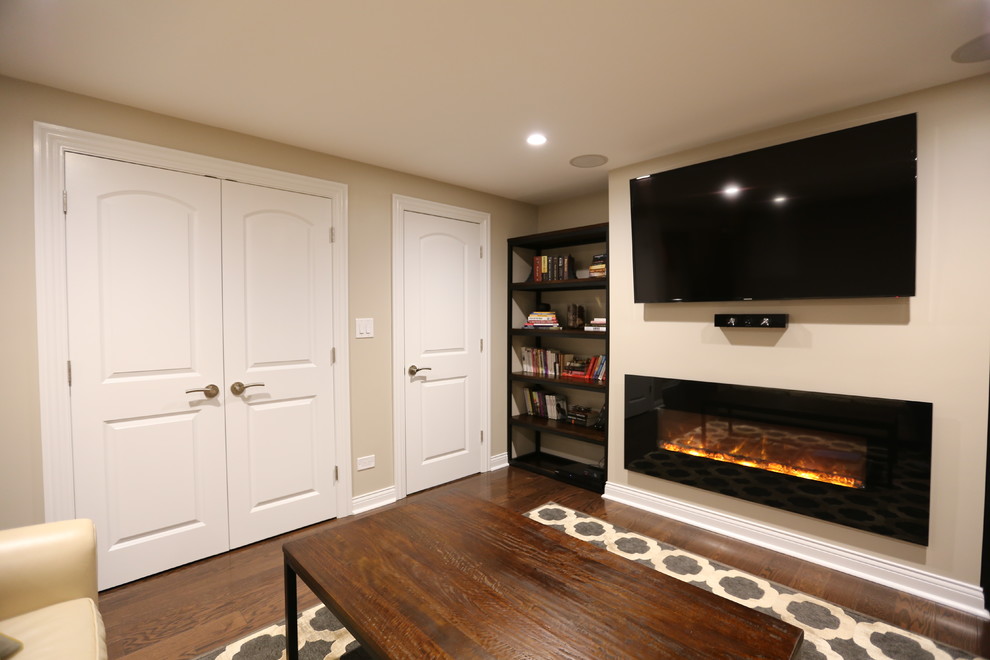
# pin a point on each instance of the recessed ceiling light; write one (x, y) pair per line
(589, 160)
(536, 139)
(731, 190)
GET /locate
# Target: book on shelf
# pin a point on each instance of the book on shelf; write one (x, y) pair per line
(541, 403)
(552, 363)
(600, 368)
(577, 367)
(589, 368)
(599, 266)
(544, 362)
(580, 415)
(547, 268)
(597, 324)
(550, 405)
(542, 320)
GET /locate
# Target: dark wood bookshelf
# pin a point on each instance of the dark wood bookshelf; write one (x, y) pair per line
(527, 294)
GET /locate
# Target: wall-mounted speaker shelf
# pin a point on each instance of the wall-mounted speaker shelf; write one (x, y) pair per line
(751, 320)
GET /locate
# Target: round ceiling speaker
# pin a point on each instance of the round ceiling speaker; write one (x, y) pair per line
(589, 160)
(974, 50)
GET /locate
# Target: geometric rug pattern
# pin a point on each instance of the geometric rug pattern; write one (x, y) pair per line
(321, 637)
(830, 631)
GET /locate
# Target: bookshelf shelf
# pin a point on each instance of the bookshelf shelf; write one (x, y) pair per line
(565, 429)
(584, 334)
(561, 381)
(572, 452)
(558, 468)
(562, 285)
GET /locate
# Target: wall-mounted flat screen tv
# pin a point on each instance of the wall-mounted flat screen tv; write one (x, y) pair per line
(829, 216)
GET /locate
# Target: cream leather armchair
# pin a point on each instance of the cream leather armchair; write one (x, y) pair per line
(48, 593)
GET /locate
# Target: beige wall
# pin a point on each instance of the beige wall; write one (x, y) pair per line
(370, 191)
(933, 347)
(585, 210)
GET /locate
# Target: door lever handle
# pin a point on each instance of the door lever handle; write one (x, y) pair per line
(413, 369)
(209, 391)
(239, 387)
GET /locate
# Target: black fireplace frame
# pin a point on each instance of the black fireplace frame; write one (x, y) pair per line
(897, 435)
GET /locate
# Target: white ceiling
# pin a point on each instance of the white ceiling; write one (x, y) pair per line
(449, 89)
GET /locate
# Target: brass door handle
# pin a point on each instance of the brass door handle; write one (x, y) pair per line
(413, 369)
(209, 391)
(239, 387)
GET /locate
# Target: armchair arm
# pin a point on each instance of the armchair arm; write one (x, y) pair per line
(41, 565)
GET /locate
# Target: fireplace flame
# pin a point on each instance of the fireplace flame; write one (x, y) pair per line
(826, 457)
(770, 466)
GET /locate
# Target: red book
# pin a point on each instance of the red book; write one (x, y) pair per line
(592, 365)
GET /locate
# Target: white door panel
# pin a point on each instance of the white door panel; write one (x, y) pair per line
(279, 281)
(441, 261)
(283, 466)
(165, 445)
(145, 326)
(445, 405)
(278, 333)
(147, 276)
(441, 265)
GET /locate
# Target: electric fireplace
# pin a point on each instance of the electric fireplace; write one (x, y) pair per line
(858, 461)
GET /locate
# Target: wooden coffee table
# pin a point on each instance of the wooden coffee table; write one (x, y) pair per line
(445, 575)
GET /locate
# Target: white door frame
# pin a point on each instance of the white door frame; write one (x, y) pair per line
(51, 142)
(401, 204)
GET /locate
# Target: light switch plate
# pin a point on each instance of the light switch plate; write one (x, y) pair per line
(364, 328)
(365, 462)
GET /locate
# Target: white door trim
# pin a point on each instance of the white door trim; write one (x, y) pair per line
(401, 204)
(50, 145)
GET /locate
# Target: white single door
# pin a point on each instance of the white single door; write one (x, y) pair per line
(277, 343)
(442, 331)
(145, 338)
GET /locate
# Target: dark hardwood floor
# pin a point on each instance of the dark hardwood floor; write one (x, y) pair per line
(196, 608)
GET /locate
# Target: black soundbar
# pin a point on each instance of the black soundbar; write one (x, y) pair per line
(751, 320)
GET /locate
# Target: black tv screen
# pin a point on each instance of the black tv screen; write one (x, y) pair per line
(829, 216)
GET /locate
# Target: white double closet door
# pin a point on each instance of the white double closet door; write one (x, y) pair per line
(180, 288)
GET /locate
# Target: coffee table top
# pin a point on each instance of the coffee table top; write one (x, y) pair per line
(442, 574)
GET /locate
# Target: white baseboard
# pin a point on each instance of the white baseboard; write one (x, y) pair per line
(498, 461)
(373, 500)
(943, 590)
(369, 501)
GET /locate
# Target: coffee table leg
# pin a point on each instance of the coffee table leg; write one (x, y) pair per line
(291, 623)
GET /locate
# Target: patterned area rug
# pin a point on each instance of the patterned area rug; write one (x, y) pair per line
(321, 637)
(830, 631)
